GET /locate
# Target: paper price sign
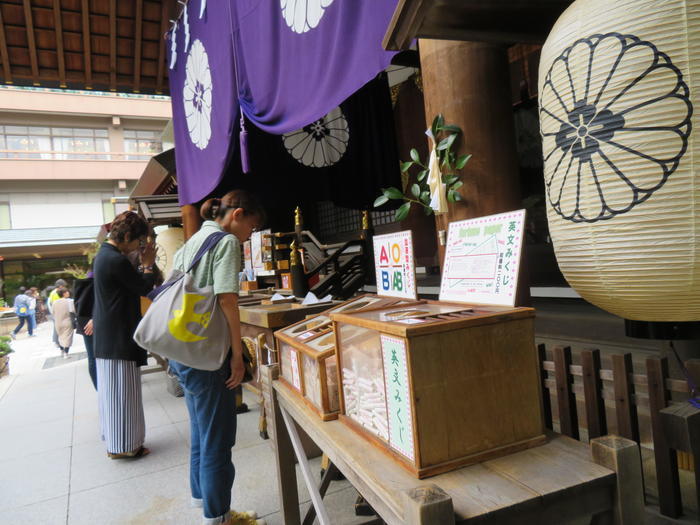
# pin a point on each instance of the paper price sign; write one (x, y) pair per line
(393, 262)
(482, 259)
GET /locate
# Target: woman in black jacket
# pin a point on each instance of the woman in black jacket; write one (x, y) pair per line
(116, 313)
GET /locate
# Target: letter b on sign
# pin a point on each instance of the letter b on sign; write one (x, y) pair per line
(385, 280)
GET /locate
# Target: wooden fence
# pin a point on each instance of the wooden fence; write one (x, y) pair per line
(627, 391)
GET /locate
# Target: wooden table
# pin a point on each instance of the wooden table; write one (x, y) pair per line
(556, 483)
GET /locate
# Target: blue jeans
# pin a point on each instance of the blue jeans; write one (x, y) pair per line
(89, 348)
(32, 321)
(22, 320)
(212, 409)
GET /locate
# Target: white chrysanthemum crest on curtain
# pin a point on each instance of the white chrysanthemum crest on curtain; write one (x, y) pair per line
(197, 95)
(320, 144)
(303, 15)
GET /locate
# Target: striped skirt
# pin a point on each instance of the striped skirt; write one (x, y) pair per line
(121, 406)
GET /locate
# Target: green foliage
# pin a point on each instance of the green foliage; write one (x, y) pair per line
(5, 347)
(75, 271)
(445, 136)
(91, 251)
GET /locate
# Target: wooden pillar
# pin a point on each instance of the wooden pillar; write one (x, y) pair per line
(191, 220)
(622, 456)
(469, 83)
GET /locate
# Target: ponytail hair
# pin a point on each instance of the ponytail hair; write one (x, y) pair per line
(213, 209)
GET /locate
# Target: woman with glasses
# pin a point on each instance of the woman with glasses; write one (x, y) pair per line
(116, 313)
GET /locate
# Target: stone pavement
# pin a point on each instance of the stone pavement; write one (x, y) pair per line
(54, 468)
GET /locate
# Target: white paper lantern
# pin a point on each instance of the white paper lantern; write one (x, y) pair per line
(616, 84)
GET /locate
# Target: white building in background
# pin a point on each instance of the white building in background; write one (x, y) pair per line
(68, 160)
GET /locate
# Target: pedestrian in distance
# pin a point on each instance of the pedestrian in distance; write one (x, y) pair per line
(116, 313)
(64, 320)
(22, 305)
(34, 304)
(55, 294)
(210, 395)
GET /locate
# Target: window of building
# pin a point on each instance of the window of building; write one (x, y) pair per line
(55, 209)
(34, 142)
(142, 144)
(5, 221)
(108, 213)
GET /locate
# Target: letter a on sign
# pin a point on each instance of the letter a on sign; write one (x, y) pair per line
(383, 258)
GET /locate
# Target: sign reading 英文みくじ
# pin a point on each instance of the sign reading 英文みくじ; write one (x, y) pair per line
(398, 401)
(482, 259)
(393, 261)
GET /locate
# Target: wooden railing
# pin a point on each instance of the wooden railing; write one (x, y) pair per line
(342, 278)
(626, 392)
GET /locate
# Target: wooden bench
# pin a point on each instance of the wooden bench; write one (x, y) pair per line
(556, 483)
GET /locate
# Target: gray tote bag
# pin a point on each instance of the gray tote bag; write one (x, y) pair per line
(185, 322)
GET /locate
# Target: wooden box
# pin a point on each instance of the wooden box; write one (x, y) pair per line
(247, 286)
(307, 358)
(437, 385)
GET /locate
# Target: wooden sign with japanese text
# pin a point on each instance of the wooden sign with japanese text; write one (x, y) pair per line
(482, 259)
(398, 397)
(393, 261)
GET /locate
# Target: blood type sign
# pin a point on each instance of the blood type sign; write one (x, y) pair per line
(393, 261)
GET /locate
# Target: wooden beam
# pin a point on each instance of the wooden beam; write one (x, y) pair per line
(58, 27)
(137, 45)
(29, 20)
(161, 47)
(405, 22)
(113, 45)
(87, 51)
(7, 72)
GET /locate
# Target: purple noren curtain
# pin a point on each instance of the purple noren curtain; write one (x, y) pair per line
(300, 59)
(202, 84)
(296, 59)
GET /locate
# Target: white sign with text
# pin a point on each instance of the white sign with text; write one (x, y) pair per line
(482, 259)
(393, 262)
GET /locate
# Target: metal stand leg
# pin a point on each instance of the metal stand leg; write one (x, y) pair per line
(316, 497)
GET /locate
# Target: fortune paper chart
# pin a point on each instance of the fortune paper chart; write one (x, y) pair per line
(482, 259)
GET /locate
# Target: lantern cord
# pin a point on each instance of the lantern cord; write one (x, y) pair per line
(694, 399)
